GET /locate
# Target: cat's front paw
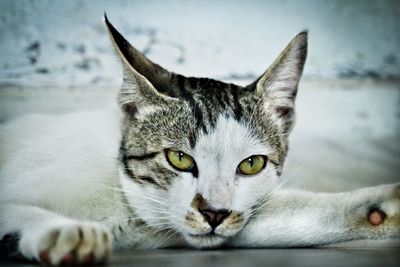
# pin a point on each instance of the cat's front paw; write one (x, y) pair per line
(74, 243)
(378, 214)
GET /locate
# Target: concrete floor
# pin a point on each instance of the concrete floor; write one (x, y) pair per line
(250, 258)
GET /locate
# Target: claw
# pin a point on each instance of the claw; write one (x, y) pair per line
(44, 256)
(67, 259)
(89, 259)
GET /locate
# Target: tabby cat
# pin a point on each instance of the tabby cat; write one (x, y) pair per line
(183, 162)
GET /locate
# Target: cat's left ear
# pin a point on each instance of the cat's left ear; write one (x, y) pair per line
(144, 81)
(277, 87)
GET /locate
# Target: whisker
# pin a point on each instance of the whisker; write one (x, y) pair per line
(166, 237)
(155, 225)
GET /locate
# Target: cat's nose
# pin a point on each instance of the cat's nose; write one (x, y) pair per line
(214, 217)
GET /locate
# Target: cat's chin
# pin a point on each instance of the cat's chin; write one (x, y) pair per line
(205, 240)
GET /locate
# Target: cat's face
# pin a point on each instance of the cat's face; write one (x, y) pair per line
(198, 156)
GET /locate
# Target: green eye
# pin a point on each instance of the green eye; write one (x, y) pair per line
(180, 160)
(252, 165)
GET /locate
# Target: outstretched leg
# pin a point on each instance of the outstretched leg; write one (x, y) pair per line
(299, 218)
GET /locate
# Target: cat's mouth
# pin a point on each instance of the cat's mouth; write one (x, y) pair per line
(207, 240)
(207, 235)
(208, 231)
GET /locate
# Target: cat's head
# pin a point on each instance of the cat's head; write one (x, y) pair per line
(200, 156)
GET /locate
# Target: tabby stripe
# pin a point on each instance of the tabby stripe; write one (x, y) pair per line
(192, 82)
(128, 171)
(222, 98)
(211, 119)
(189, 97)
(237, 109)
(148, 179)
(225, 96)
(192, 139)
(139, 179)
(141, 157)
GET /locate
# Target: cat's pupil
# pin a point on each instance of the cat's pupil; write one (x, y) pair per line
(180, 156)
(251, 162)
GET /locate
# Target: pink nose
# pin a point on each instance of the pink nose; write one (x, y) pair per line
(215, 217)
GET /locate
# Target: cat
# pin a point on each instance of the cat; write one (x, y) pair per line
(183, 162)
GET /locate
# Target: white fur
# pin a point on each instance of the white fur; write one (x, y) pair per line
(218, 155)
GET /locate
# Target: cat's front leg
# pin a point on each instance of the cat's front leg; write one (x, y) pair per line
(54, 239)
(299, 218)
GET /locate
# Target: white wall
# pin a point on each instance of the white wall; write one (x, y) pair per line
(65, 43)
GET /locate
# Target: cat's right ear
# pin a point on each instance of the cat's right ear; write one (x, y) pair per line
(141, 77)
(277, 87)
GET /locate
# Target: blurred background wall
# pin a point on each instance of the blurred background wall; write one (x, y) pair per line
(46, 42)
